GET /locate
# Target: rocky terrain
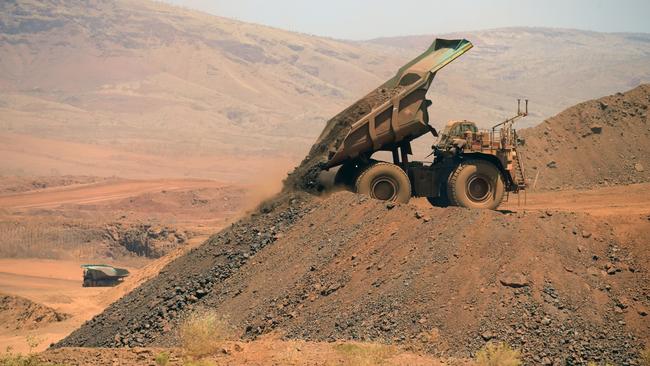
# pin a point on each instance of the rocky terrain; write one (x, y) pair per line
(141, 89)
(559, 285)
(600, 142)
(146, 240)
(258, 353)
(565, 287)
(20, 313)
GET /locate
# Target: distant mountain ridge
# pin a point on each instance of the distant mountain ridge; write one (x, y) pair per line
(141, 78)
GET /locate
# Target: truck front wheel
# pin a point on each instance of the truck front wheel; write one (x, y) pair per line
(385, 182)
(476, 184)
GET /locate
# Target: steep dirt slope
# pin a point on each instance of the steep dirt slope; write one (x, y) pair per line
(598, 142)
(440, 280)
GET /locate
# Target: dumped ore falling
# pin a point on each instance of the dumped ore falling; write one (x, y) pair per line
(305, 176)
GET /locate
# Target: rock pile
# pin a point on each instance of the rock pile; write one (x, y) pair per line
(596, 143)
(371, 272)
(146, 314)
(20, 313)
(557, 285)
(144, 240)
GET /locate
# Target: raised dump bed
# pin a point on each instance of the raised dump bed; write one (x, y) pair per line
(398, 107)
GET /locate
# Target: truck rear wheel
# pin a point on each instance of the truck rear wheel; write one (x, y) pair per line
(385, 182)
(476, 184)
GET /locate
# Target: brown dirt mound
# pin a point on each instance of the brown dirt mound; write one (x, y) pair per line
(20, 313)
(445, 281)
(558, 285)
(596, 143)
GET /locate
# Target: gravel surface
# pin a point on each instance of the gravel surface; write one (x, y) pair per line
(557, 285)
(597, 143)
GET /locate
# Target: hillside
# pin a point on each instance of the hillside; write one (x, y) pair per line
(405, 275)
(600, 142)
(144, 82)
(141, 89)
(20, 313)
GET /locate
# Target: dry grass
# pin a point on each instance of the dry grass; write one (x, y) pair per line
(162, 359)
(20, 360)
(198, 363)
(366, 354)
(498, 354)
(645, 357)
(203, 333)
(14, 359)
(53, 239)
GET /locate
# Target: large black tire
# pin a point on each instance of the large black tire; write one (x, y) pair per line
(385, 182)
(476, 184)
(348, 173)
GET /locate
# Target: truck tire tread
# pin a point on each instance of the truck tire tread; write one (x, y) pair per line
(404, 184)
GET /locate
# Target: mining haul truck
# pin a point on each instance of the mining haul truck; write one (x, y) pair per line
(470, 167)
(101, 275)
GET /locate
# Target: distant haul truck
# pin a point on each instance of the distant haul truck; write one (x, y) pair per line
(471, 167)
(101, 275)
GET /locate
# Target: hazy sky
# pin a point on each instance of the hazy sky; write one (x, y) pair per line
(364, 19)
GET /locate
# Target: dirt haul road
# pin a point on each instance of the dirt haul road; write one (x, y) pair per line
(52, 283)
(98, 192)
(610, 201)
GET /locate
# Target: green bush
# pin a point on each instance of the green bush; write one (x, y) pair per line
(645, 357)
